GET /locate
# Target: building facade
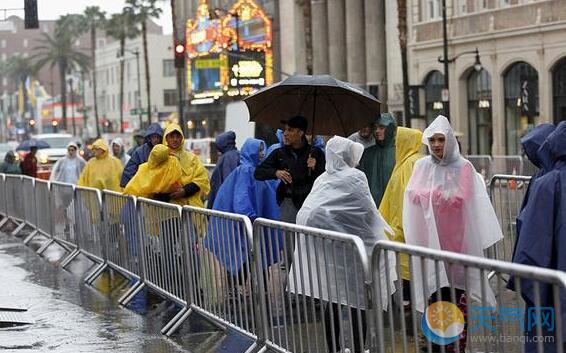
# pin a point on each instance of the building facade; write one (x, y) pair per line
(522, 81)
(164, 94)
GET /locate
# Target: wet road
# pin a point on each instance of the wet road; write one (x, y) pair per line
(68, 316)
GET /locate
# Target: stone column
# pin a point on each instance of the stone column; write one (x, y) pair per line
(376, 57)
(319, 36)
(337, 38)
(355, 42)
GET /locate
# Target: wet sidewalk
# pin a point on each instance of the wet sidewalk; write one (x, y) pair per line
(66, 315)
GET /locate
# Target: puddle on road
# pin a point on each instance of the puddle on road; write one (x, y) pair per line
(72, 317)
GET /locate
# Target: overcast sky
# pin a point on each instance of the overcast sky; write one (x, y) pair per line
(52, 9)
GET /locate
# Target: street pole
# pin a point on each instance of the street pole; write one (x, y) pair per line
(180, 90)
(445, 50)
(137, 54)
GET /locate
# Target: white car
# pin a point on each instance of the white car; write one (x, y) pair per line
(57, 147)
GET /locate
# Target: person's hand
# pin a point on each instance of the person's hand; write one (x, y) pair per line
(311, 163)
(284, 176)
(177, 194)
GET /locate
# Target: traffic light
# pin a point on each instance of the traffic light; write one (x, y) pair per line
(30, 9)
(179, 54)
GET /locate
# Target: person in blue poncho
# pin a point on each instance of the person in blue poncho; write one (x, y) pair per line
(542, 236)
(228, 161)
(241, 193)
(275, 146)
(318, 142)
(153, 136)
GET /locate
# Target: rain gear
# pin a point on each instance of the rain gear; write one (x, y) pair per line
(408, 143)
(68, 169)
(279, 134)
(339, 201)
(446, 207)
(141, 154)
(161, 174)
(244, 195)
(9, 166)
(195, 176)
(542, 238)
(123, 156)
(140, 133)
(102, 172)
(228, 161)
(29, 166)
(367, 142)
(378, 160)
(318, 142)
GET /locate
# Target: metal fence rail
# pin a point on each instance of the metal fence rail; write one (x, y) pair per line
(507, 193)
(3, 200)
(493, 313)
(314, 298)
(220, 259)
(63, 212)
(482, 164)
(42, 206)
(165, 265)
(14, 199)
(122, 238)
(90, 226)
(28, 195)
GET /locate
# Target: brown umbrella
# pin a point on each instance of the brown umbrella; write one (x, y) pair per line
(331, 106)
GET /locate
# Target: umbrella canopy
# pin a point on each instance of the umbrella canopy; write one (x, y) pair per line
(330, 105)
(28, 144)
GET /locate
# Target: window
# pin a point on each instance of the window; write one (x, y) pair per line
(3, 43)
(463, 7)
(482, 4)
(168, 68)
(433, 9)
(170, 97)
(113, 102)
(4, 81)
(25, 43)
(128, 72)
(504, 3)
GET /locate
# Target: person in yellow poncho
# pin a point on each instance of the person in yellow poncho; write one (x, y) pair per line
(194, 181)
(408, 144)
(158, 177)
(103, 171)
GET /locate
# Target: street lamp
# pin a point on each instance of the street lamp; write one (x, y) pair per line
(445, 60)
(137, 54)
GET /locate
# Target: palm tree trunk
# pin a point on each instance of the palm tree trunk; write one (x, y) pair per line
(94, 92)
(122, 63)
(62, 72)
(307, 15)
(402, 26)
(147, 83)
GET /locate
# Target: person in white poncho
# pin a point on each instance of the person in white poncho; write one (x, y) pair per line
(69, 168)
(340, 201)
(446, 207)
(119, 152)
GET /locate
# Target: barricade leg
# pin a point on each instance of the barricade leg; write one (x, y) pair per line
(70, 258)
(94, 274)
(18, 229)
(45, 246)
(131, 293)
(174, 324)
(30, 237)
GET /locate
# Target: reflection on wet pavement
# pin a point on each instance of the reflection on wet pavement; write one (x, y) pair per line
(72, 317)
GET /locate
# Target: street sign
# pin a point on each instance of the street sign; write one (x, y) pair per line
(136, 111)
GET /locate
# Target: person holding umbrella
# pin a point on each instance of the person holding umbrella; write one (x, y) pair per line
(29, 164)
(296, 164)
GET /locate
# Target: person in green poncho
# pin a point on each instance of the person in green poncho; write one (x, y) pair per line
(378, 160)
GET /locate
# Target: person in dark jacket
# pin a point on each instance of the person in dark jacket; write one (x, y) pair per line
(297, 164)
(153, 136)
(228, 161)
(139, 140)
(10, 166)
(29, 164)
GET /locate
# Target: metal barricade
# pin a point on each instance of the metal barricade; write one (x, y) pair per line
(507, 193)
(43, 207)
(14, 198)
(28, 196)
(209, 168)
(164, 246)
(220, 259)
(482, 164)
(510, 165)
(447, 304)
(90, 227)
(63, 212)
(122, 238)
(315, 298)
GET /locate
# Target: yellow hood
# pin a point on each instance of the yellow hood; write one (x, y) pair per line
(100, 143)
(171, 128)
(408, 142)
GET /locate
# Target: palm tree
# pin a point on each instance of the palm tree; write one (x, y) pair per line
(143, 10)
(307, 17)
(95, 19)
(19, 69)
(57, 50)
(121, 27)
